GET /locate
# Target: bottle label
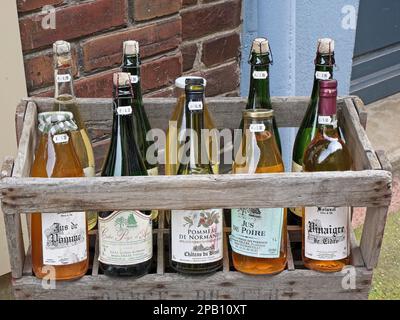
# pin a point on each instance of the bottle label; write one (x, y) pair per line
(257, 232)
(60, 78)
(327, 120)
(64, 238)
(125, 238)
(122, 111)
(260, 74)
(197, 236)
(322, 75)
(298, 211)
(257, 127)
(195, 105)
(61, 138)
(134, 79)
(325, 233)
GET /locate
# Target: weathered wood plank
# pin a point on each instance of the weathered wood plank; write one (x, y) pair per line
(95, 266)
(363, 153)
(226, 111)
(13, 228)
(361, 110)
(290, 261)
(27, 271)
(297, 284)
(372, 235)
(160, 243)
(19, 119)
(356, 256)
(226, 263)
(349, 188)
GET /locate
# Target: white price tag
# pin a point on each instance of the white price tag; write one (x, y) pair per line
(195, 105)
(124, 110)
(60, 138)
(134, 79)
(63, 78)
(327, 120)
(323, 75)
(257, 127)
(260, 74)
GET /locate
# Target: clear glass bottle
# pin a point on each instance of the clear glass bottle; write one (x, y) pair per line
(177, 128)
(59, 240)
(258, 235)
(326, 230)
(324, 62)
(196, 235)
(64, 100)
(125, 237)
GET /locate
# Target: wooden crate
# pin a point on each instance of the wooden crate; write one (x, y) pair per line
(368, 186)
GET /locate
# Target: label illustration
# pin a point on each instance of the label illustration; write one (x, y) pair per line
(257, 232)
(197, 235)
(325, 233)
(64, 238)
(125, 238)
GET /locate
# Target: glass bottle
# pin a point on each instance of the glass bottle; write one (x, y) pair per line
(196, 235)
(64, 100)
(258, 235)
(125, 237)
(259, 92)
(326, 229)
(59, 240)
(324, 62)
(177, 128)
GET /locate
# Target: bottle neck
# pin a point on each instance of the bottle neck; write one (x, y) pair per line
(131, 64)
(259, 93)
(324, 64)
(64, 86)
(327, 119)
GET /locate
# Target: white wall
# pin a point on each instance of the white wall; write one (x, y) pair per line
(12, 89)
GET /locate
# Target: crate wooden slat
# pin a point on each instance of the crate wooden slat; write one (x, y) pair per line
(368, 186)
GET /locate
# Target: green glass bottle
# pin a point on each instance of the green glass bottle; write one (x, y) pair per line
(125, 237)
(324, 63)
(64, 100)
(259, 92)
(131, 64)
(196, 235)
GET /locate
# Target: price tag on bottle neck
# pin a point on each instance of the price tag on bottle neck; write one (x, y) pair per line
(260, 74)
(257, 127)
(134, 79)
(60, 138)
(63, 78)
(322, 75)
(195, 105)
(124, 110)
(327, 120)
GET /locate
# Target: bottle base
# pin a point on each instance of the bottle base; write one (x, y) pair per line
(61, 274)
(192, 269)
(133, 271)
(326, 266)
(258, 266)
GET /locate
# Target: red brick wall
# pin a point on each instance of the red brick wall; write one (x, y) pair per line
(200, 37)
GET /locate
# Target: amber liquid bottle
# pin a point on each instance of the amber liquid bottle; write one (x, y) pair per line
(125, 236)
(258, 235)
(59, 240)
(64, 100)
(196, 235)
(326, 229)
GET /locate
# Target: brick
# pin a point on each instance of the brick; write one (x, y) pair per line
(155, 74)
(106, 51)
(39, 70)
(189, 53)
(161, 72)
(220, 49)
(96, 86)
(186, 3)
(29, 5)
(149, 9)
(222, 79)
(199, 22)
(73, 22)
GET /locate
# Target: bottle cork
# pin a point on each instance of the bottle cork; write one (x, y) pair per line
(260, 45)
(131, 47)
(62, 54)
(121, 79)
(326, 45)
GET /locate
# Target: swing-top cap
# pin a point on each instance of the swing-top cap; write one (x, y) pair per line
(121, 79)
(260, 45)
(61, 47)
